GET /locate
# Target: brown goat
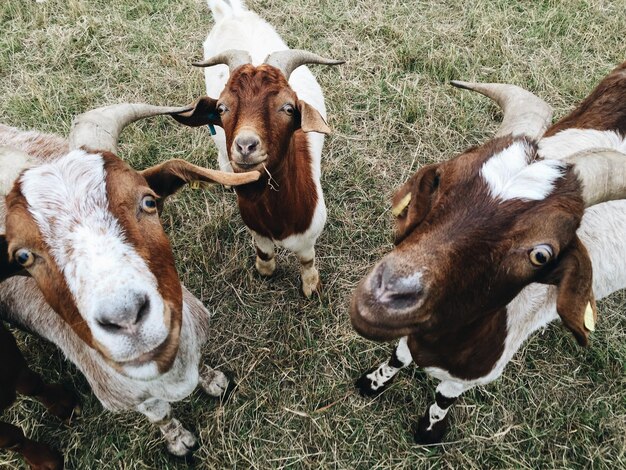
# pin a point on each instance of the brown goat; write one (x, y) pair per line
(479, 237)
(272, 121)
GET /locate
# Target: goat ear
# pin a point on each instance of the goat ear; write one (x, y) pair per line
(412, 202)
(168, 177)
(311, 120)
(8, 268)
(203, 112)
(575, 301)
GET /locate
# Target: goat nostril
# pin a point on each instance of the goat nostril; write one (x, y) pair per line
(109, 326)
(143, 311)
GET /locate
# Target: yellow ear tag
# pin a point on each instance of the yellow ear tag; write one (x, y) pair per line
(403, 204)
(197, 184)
(590, 322)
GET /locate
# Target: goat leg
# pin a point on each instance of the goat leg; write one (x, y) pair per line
(308, 271)
(215, 383)
(57, 399)
(179, 441)
(432, 427)
(377, 379)
(265, 256)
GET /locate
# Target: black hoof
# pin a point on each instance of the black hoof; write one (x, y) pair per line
(433, 436)
(369, 388)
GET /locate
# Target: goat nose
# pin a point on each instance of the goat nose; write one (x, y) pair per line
(396, 292)
(247, 144)
(115, 318)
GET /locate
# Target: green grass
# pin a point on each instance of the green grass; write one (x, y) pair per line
(557, 406)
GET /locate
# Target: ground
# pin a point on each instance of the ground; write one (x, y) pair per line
(392, 111)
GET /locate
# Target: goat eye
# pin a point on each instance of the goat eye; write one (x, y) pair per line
(540, 255)
(24, 257)
(221, 108)
(288, 109)
(149, 204)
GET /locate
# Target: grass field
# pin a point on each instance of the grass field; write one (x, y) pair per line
(557, 405)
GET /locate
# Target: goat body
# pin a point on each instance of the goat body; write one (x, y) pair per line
(526, 246)
(22, 300)
(286, 207)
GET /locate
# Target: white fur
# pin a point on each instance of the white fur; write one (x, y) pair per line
(570, 141)
(238, 28)
(68, 200)
(510, 176)
(384, 372)
(12, 162)
(23, 304)
(403, 353)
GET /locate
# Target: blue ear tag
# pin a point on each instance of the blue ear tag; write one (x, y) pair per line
(211, 126)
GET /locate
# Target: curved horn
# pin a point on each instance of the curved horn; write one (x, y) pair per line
(524, 113)
(232, 57)
(289, 60)
(100, 128)
(602, 173)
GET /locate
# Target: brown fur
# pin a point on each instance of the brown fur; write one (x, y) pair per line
(604, 109)
(477, 253)
(283, 205)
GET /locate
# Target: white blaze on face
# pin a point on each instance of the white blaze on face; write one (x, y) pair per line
(509, 175)
(109, 280)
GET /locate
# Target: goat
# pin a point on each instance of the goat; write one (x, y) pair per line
(498, 242)
(103, 285)
(273, 121)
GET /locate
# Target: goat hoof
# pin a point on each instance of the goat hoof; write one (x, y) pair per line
(311, 283)
(265, 268)
(216, 383)
(433, 436)
(371, 388)
(179, 441)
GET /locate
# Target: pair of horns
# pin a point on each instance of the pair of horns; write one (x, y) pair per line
(602, 172)
(285, 61)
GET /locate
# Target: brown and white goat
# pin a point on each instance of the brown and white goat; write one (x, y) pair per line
(103, 285)
(498, 242)
(273, 121)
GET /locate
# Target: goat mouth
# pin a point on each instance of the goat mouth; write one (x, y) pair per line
(163, 354)
(240, 167)
(374, 323)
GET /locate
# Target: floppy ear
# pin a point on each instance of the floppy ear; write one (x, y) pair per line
(7, 267)
(168, 177)
(311, 120)
(575, 302)
(203, 112)
(412, 202)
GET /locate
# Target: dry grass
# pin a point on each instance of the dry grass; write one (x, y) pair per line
(557, 406)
